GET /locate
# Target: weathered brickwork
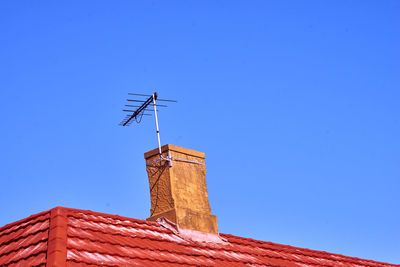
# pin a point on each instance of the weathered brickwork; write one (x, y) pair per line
(179, 192)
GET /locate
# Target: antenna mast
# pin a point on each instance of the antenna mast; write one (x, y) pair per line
(158, 130)
(140, 112)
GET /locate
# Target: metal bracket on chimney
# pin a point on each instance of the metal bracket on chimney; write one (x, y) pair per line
(187, 160)
(169, 158)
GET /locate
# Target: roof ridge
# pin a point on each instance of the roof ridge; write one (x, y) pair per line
(57, 239)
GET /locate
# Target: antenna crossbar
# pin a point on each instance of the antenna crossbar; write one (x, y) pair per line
(141, 108)
(140, 111)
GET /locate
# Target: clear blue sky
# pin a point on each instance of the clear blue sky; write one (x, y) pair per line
(295, 103)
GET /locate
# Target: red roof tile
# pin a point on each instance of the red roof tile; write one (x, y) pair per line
(84, 238)
(24, 243)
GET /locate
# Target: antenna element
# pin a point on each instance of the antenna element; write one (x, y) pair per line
(139, 112)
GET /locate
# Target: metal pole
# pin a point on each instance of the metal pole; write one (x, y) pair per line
(158, 131)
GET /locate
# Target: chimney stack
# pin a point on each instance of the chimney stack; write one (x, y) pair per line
(178, 188)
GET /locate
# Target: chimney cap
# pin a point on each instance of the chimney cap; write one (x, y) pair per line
(169, 147)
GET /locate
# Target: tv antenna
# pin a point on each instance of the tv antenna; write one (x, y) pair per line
(136, 115)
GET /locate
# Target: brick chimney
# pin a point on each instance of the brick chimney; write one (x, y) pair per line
(178, 188)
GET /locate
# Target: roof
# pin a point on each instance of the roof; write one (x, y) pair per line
(71, 237)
